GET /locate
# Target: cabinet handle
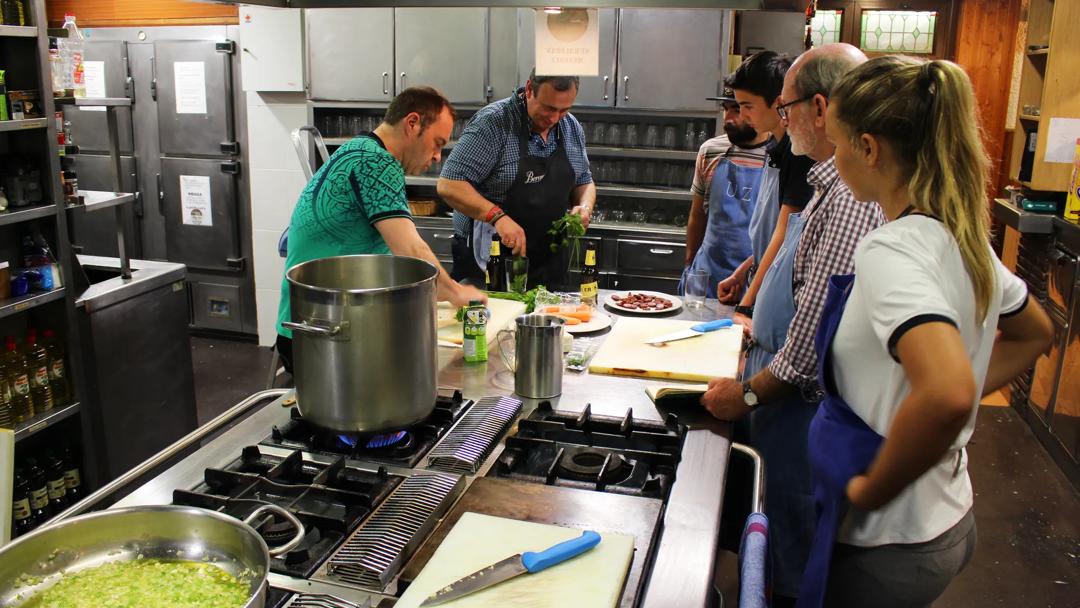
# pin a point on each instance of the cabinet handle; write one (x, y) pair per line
(659, 251)
(442, 237)
(606, 79)
(626, 88)
(402, 82)
(386, 83)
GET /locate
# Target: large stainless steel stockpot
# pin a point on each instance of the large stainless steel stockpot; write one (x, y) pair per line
(365, 344)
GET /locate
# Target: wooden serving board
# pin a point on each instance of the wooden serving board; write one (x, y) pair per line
(503, 313)
(624, 352)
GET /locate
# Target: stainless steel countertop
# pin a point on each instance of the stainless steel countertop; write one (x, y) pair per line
(1027, 222)
(682, 570)
(145, 275)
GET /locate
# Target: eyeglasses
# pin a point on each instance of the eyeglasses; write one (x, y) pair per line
(782, 108)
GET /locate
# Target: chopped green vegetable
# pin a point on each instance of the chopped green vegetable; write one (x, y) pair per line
(146, 583)
(529, 297)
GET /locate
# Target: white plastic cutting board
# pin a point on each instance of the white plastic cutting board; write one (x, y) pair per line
(591, 580)
(503, 313)
(624, 352)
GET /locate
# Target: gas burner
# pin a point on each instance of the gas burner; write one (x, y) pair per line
(330, 500)
(404, 448)
(602, 453)
(594, 465)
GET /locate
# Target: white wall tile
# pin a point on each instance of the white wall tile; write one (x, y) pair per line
(269, 266)
(273, 197)
(266, 302)
(270, 130)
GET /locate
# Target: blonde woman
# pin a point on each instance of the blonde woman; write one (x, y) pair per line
(907, 344)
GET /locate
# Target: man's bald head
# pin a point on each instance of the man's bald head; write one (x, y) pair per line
(816, 71)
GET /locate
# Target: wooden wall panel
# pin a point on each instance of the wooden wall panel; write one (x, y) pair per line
(985, 39)
(106, 13)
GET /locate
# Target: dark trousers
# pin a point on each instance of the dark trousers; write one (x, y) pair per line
(284, 350)
(465, 269)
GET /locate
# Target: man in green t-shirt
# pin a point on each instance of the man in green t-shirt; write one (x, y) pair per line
(355, 203)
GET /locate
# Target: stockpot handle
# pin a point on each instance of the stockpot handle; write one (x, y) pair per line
(335, 331)
(296, 540)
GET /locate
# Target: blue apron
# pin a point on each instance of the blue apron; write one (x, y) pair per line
(732, 194)
(841, 446)
(778, 430)
(766, 212)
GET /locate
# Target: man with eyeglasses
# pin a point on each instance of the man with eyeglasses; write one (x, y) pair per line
(778, 392)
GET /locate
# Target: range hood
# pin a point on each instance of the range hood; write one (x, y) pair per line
(776, 5)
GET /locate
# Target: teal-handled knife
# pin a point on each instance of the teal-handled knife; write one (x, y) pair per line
(697, 330)
(529, 562)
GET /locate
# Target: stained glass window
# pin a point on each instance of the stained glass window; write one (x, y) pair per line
(825, 27)
(898, 31)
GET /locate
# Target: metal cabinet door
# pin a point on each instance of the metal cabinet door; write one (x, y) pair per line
(88, 125)
(598, 91)
(350, 53)
(1065, 424)
(669, 59)
(95, 231)
(204, 247)
(440, 47)
(197, 119)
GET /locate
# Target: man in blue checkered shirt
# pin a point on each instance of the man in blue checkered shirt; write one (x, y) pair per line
(519, 165)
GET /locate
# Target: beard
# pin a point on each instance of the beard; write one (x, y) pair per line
(740, 135)
(803, 141)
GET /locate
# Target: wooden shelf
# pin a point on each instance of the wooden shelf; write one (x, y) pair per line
(44, 420)
(20, 125)
(18, 31)
(15, 216)
(12, 306)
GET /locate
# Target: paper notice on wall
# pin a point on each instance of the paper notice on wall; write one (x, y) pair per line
(1061, 140)
(195, 204)
(190, 80)
(94, 71)
(567, 42)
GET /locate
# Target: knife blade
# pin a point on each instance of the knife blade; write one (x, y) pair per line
(529, 562)
(697, 330)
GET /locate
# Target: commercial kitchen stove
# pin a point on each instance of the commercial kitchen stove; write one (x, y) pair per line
(376, 514)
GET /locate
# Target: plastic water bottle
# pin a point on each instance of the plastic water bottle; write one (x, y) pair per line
(71, 52)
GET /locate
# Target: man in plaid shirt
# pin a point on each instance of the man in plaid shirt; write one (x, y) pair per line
(779, 387)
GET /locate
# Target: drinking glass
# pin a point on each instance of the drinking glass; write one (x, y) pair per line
(617, 215)
(638, 216)
(689, 136)
(615, 172)
(614, 134)
(517, 274)
(702, 135)
(586, 128)
(648, 175)
(599, 133)
(696, 287)
(632, 174)
(669, 137)
(341, 125)
(631, 137)
(359, 125)
(652, 136)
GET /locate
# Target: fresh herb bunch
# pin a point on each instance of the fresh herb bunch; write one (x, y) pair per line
(529, 298)
(567, 227)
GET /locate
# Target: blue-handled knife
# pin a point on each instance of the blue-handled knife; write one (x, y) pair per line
(697, 330)
(529, 562)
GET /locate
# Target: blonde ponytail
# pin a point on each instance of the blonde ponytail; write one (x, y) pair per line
(926, 111)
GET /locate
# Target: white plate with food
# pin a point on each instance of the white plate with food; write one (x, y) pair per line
(643, 302)
(580, 319)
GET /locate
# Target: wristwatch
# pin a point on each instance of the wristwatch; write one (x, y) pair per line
(749, 397)
(745, 310)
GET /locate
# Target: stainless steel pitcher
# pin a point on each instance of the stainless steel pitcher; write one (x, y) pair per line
(537, 362)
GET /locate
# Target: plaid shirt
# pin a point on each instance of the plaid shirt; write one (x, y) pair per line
(835, 223)
(487, 153)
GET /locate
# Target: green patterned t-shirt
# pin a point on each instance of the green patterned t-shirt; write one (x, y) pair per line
(360, 185)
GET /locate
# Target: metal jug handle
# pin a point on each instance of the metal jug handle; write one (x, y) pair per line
(510, 363)
(296, 540)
